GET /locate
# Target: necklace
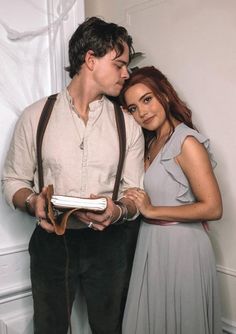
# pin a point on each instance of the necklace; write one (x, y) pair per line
(155, 146)
(152, 143)
(148, 157)
(74, 114)
(78, 132)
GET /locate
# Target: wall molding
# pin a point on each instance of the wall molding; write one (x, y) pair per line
(226, 270)
(15, 292)
(228, 326)
(139, 7)
(17, 322)
(13, 249)
(20, 287)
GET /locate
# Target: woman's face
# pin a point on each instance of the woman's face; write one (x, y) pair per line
(145, 107)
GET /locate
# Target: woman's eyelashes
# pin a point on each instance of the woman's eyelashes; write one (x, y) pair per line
(145, 100)
(132, 109)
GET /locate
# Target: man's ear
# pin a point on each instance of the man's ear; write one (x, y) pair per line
(90, 59)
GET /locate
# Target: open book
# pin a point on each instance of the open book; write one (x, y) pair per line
(69, 202)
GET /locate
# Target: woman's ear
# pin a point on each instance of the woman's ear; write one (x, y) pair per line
(90, 59)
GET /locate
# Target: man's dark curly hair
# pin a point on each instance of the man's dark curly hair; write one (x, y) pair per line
(100, 37)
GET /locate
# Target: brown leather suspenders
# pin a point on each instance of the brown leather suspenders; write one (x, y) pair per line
(120, 123)
(43, 121)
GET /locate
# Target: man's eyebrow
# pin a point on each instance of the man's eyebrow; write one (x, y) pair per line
(121, 61)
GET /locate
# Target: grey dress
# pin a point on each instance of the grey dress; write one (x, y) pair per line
(173, 287)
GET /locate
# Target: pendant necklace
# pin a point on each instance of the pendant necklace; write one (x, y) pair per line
(155, 147)
(148, 156)
(74, 114)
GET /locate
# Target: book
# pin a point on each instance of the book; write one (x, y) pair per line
(70, 202)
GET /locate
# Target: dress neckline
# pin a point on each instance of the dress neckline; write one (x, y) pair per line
(163, 147)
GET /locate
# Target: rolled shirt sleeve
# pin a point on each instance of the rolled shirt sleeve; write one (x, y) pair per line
(20, 163)
(133, 171)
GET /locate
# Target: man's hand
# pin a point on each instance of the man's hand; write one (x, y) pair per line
(36, 205)
(40, 211)
(99, 220)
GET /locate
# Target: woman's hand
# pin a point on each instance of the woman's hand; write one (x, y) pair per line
(99, 220)
(141, 200)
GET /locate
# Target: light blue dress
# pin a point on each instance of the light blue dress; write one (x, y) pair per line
(173, 287)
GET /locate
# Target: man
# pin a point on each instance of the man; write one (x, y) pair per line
(80, 155)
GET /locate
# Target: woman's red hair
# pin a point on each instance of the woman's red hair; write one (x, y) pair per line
(164, 92)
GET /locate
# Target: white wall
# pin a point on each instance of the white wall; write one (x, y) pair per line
(193, 43)
(32, 58)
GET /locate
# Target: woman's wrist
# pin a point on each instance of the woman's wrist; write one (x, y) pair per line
(150, 212)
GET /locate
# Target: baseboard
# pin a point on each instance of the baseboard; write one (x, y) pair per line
(229, 327)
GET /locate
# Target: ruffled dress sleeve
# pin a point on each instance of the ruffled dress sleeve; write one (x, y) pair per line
(172, 149)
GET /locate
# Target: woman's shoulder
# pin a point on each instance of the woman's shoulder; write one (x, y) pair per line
(174, 146)
(181, 132)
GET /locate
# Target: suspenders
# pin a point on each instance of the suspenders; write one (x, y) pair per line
(43, 121)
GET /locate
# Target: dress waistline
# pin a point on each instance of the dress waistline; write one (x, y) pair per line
(168, 223)
(159, 222)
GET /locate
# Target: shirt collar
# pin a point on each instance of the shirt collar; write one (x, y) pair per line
(93, 106)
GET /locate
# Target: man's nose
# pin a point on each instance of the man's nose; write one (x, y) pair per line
(125, 73)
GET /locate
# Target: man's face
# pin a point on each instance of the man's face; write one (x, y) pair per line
(110, 72)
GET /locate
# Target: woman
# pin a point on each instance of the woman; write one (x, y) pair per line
(173, 288)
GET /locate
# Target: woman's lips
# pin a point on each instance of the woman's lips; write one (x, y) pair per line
(148, 120)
